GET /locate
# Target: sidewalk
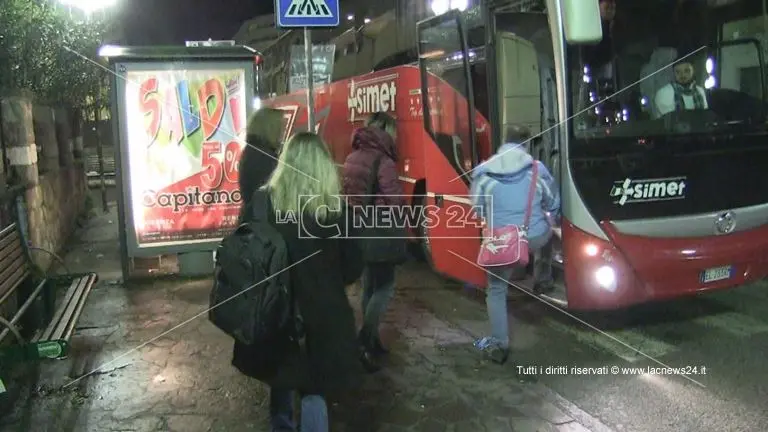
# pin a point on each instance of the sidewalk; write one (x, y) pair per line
(183, 381)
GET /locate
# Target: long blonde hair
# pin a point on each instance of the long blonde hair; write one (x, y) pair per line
(306, 179)
(266, 124)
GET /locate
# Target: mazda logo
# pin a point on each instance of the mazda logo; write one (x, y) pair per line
(725, 223)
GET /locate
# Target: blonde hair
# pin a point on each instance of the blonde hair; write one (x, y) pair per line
(266, 124)
(305, 168)
(383, 121)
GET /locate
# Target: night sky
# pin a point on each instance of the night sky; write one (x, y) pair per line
(153, 22)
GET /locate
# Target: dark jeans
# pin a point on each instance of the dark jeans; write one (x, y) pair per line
(314, 412)
(378, 282)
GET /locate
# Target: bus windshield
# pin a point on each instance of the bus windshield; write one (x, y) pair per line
(671, 67)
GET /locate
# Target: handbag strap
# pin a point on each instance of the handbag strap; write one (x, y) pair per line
(373, 181)
(531, 195)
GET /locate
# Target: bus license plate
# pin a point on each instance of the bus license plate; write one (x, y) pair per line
(716, 274)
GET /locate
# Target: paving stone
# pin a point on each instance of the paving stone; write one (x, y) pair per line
(453, 411)
(572, 427)
(148, 424)
(433, 380)
(188, 423)
(546, 411)
(431, 425)
(497, 424)
(531, 425)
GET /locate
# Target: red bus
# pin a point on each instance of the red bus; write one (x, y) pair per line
(657, 202)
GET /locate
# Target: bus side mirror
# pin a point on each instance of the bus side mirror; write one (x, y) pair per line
(581, 20)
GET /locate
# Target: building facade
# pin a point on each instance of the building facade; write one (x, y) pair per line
(370, 35)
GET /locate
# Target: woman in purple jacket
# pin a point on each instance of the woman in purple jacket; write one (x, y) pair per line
(374, 141)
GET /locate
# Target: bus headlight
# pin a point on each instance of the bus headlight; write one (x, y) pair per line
(591, 249)
(606, 278)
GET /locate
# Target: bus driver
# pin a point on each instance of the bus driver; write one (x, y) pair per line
(682, 93)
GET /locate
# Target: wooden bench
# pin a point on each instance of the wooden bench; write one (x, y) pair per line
(18, 275)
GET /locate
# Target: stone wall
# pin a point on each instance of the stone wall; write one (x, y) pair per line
(46, 158)
(61, 199)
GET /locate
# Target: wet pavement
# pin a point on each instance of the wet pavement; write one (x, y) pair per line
(161, 365)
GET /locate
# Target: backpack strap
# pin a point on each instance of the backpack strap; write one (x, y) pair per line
(373, 181)
(261, 206)
(531, 195)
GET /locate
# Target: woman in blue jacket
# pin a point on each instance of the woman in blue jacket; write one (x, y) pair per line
(506, 179)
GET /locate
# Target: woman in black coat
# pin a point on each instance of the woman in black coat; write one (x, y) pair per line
(259, 159)
(317, 233)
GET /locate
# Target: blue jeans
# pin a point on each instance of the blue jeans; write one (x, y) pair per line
(378, 282)
(314, 412)
(498, 287)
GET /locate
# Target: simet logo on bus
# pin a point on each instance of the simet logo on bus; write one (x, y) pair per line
(629, 190)
(366, 98)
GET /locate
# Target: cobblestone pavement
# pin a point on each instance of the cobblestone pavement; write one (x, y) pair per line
(183, 380)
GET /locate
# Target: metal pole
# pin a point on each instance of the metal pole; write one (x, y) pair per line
(100, 153)
(310, 79)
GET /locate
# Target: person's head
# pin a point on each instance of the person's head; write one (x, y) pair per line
(266, 126)
(517, 133)
(684, 71)
(383, 121)
(305, 168)
(607, 9)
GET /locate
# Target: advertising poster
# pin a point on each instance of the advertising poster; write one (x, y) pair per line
(185, 134)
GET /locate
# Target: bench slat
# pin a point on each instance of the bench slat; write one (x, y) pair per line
(9, 240)
(66, 304)
(12, 259)
(66, 315)
(84, 292)
(7, 286)
(10, 230)
(11, 278)
(10, 254)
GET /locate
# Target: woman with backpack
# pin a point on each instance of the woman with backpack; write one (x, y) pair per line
(305, 191)
(374, 146)
(259, 159)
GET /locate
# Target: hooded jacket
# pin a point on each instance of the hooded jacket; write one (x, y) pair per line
(369, 143)
(257, 163)
(500, 187)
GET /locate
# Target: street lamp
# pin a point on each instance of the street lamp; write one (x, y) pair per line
(89, 6)
(440, 7)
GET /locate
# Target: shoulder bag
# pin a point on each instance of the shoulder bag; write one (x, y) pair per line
(508, 245)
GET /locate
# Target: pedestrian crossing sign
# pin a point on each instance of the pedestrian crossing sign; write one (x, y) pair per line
(307, 13)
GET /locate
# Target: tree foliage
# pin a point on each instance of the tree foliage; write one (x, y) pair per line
(45, 49)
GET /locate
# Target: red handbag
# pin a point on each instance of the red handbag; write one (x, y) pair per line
(508, 245)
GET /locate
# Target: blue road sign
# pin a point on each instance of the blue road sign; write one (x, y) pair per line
(307, 13)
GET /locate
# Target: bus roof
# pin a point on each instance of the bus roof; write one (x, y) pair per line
(176, 52)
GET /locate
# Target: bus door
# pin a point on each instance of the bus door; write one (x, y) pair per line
(449, 150)
(523, 66)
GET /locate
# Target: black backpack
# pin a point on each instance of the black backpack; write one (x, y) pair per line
(251, 299)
